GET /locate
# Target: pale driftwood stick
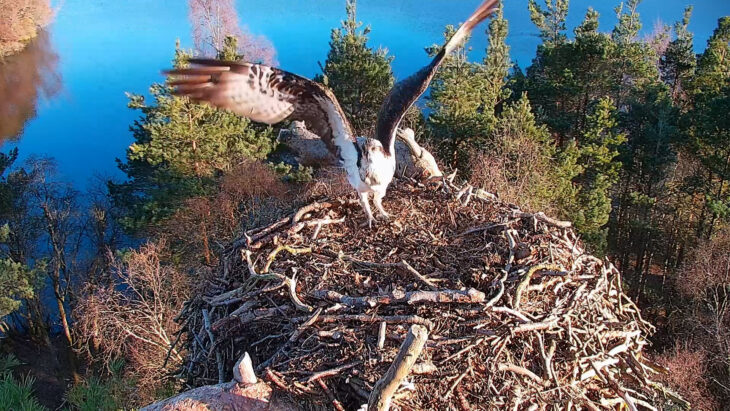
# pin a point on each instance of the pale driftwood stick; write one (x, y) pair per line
(218, 359)
(308, 209)
(521, 371)
(381, 335)
(516, 314)
(485, 195)
(333, 371)
(470, 295)
(243, 371)
(542, 217)
(497, 296)
(512, 244)
(423, 368)
(544, 325)
(314, 223)
(391, 319)
(382, 394)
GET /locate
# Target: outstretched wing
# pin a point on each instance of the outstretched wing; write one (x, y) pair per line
(268, 95)
(407, 91)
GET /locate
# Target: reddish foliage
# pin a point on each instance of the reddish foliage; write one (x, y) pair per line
(132, 316)
(249, 195)
(21, 20)
(688, 376)
(23, 77)
(213, 20)
(704, 281)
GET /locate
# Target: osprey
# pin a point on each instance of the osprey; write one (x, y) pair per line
(270, 95)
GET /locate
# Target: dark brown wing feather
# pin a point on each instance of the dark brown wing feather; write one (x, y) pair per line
(265, 94)
(407, 91)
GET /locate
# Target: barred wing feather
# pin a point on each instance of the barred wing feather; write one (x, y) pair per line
(267, 95)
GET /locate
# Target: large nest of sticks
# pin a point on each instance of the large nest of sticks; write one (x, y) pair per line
(497, 308)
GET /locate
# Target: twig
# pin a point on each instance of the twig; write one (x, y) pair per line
(218, 359)
(521, 371)
(526, 281)
(392, 319)
(332, 371)
(542, 217)
(338, 406)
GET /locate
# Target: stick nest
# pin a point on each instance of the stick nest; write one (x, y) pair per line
(518, 315)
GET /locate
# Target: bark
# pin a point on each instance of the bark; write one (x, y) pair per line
(382, 394)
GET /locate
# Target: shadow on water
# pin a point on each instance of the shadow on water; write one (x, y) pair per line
(26, 77)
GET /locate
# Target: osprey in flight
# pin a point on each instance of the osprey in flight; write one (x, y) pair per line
(270, 95)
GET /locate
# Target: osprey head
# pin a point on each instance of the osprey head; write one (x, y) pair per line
(372, 148)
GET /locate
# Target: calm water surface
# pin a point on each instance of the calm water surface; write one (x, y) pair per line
(100, 49)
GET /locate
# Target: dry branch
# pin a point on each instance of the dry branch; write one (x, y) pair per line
(381, 396)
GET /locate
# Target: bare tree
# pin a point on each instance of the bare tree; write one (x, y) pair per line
(132, 317)
(704, 279)
(214, 20)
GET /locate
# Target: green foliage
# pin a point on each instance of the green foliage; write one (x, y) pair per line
(550, 20)
(15, 285)
(298, 174)
(359, 76)
(180, 149)
(16, 394)
(598, 149)
(465, 96)
(528, 158)
(678, 63)
(97, 394)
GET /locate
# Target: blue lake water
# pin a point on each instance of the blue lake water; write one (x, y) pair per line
(107, 47)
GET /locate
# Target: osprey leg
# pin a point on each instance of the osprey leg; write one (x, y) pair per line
(365, 203)
(378, 201)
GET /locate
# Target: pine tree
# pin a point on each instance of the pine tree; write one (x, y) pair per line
(550, 20)
(599, 145)
(180, 148)
(359, 76)
(678, 62)
(16, 280)
(709, 132)
(567, 77)
(521, 163)
(465, 96)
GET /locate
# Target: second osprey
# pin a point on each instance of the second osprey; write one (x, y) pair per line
(270, 95)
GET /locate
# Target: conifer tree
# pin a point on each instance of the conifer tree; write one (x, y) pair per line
(599, 145)
(179, 149)
(550, 20)
(465, 96)
(359, 75)
(709, 131)
(678, 62)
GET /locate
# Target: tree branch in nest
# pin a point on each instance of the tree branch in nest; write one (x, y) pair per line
(382, 394)
(468, 296)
